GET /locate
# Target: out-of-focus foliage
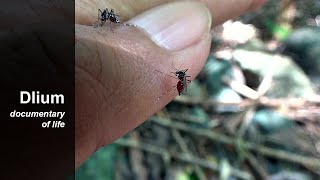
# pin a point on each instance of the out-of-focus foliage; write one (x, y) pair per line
(268, 121)
(303, 46)
(100, 166)
(288, 79)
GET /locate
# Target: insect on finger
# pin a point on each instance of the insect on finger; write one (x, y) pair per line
(104, 15)
(182, 83)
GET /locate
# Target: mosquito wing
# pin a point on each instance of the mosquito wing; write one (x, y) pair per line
(117, 19)
(186, 83)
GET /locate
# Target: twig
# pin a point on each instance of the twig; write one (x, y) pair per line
(269, 102)
(181, 156)
(188, 118)
(295, 105)
(241, 88)
(265, 84)
(208, 122)
(185, 149)
(280, 154)
(136, 159)
(249, 113)
(183, 146)
(256, 165)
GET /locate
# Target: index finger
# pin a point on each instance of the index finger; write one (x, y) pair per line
(86, 12)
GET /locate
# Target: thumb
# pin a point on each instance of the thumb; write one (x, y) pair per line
(181, 29)
(120, 75)
(175, 26)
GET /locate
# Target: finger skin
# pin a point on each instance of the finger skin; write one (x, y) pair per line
(117, 84)
(86, 12)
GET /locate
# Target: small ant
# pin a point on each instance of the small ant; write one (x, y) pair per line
(104, 15)
(182, 83)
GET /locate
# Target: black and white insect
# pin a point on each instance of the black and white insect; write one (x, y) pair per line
(182, 78)
(104, 15)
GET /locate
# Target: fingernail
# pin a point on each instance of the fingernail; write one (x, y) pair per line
(177, 25)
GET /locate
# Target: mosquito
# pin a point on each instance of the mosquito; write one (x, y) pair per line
(182, 83)
(104, 15)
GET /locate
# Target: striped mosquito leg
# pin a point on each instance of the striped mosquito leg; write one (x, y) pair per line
(167, 74)
(95, 24)
(111, 27)
(186, 84)
(165, 92)
(126, 24)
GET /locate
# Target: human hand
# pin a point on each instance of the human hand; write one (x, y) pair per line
(117, 82)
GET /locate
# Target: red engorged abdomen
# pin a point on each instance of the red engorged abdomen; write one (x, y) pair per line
(180, 87)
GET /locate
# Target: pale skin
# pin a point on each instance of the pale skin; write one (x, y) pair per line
(116, 83)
